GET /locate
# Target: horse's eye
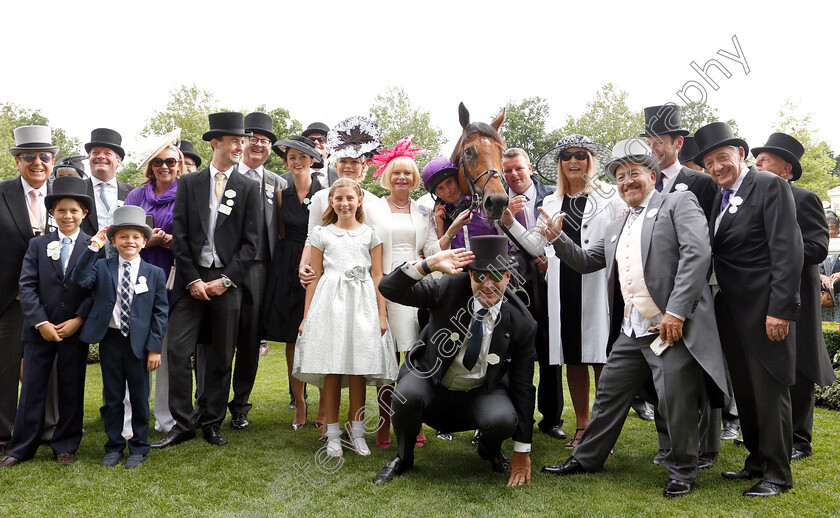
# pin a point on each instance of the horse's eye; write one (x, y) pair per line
(469, 152)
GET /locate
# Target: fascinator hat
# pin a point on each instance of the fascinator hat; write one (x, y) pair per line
(355, 137)
(402, 148)
(156, 144)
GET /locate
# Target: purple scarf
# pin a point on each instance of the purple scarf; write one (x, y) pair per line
(160, 208)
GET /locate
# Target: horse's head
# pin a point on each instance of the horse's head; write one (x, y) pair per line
(479, 158)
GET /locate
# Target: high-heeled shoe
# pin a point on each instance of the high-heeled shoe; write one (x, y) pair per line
(319, 425)
(296, 426)
(383, 444)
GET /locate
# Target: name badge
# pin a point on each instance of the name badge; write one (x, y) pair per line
(141, 288)
(492, 359)
(612, 239)
(224, 209)
(680, 187)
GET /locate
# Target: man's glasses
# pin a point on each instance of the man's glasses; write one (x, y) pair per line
(317, 139)
(580, 156)
(45, 157)
(480, 277)
(170, 162)
(257, 140)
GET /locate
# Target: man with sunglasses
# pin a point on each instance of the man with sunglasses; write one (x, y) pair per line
(473, 364)
(325, 173)
(664, 330)
(22, 217)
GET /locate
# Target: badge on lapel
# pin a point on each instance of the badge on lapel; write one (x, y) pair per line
(652, 213)
(225, 209)
(681, 187)
(493, 359)
(54, 250)
(141, 286)
(612, 239)
(230, 193)
(423, 210)
(734, 203)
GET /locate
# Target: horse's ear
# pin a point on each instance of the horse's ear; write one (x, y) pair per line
(463, 115)
(497, 122)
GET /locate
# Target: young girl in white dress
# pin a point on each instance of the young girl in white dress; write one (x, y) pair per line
(344, 339)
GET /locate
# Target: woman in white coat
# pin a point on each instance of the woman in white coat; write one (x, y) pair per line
(579, 316)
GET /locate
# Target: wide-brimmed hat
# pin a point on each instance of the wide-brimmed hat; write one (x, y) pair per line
(435, 171)
(788, 148)
(715, 135)
(71, 162)
(316, 127)
(491, 254)
(32, 138)
(302, 144)
(187, 149)
(688, 150)
(104, 137)
(129, 216)
(68, 187)
(663, 120)
(631, 151)
(225, 124)
(156, 144)
(353, 138)
(261, 123)
(547, 164)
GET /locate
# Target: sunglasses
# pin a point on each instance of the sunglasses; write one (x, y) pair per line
(170, 162)
(317, 139)
(480, 277)
(580, 156)
(45, 157)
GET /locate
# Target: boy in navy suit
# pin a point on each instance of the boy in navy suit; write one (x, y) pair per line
(53, 312)
(128, 319)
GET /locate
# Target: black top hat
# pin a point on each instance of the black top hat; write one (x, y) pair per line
(187, 149)
(316, 127)
(688, 150)
(225, 123)
(491, 254)
(104, 137)
(787, 147)
(260, 123)
(68, 187)
(302, 144)
(715, 135)
(663, 120)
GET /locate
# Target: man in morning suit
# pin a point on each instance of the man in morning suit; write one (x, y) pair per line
(23, 216)
(473, 365)
(526, 194)
(780, 155)
(659, 256)
(256, 151)
(757, 260)
(105, 154)
(214, 240)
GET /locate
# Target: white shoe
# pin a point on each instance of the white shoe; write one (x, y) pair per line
(334, 448)
(359, 445)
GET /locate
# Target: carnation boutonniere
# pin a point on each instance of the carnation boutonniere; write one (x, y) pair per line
(54, 250)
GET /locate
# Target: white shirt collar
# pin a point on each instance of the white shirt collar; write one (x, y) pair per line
(134, 262)
(96, 181)
(672, 170)
(73, 237)
(242, 168)
(494, 309)
(213, 172)
(740, 179)
(27, 188)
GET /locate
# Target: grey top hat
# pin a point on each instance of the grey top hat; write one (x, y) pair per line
(129, 216)
(104, 137)
(32, 138)
(631, 151)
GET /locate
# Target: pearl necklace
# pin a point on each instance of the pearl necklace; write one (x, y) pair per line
(398, 206)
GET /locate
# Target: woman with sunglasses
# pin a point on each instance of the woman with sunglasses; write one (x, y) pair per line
(577, 304)
(163, 165)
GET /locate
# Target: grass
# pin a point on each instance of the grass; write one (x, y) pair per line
(270, 470)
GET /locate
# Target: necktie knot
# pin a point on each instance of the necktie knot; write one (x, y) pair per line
(127, 266)
(252, 174)
(66, 241)
(725, 199)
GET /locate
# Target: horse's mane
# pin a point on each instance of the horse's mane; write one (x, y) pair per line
(482, 128)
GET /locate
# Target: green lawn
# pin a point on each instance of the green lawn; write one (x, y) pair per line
(270, 470)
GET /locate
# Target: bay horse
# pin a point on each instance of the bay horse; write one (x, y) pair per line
(478, 155)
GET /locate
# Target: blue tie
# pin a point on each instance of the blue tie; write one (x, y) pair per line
(66, 248)
(660, 181)
(103, 197)
(125, 298)
(475, 339)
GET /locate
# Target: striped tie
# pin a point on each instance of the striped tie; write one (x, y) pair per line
(125, 298)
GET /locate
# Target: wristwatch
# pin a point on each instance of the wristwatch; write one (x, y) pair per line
(227, 283)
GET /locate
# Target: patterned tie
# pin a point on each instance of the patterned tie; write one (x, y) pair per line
(634, 213)
(474, 343)
(126, 290)
(660, 182)
(725, 200)
(103, 197)
(35, 205)
(220, 184)
(251, 174)
(66, 248)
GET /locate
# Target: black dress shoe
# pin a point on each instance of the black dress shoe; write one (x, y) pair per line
(172, 438)
(570, 467)
(476, 438)
(239, 421)
(555, 432)
(9, 462)
(765, 489)
(799, 454)
(675, 488)
(744, 474)
(498, 460)
(395, 467)
(212, 435)
(706, 460)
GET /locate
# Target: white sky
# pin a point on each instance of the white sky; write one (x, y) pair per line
(91, 64)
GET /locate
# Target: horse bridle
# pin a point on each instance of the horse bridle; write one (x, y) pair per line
(471, 182)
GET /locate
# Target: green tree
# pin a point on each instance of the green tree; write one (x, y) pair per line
(187, 108)
(524, 126)
(817, 162)
(697, 115)
(607, 118)
(13, 116)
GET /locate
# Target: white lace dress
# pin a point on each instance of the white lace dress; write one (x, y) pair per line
(341, 332)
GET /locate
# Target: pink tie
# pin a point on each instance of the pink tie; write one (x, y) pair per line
(34, 206)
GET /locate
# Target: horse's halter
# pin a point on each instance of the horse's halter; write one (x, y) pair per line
(471, 182)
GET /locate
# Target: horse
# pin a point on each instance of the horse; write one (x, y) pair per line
(478, 154)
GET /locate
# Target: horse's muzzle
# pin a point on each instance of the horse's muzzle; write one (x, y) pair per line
(495, 204)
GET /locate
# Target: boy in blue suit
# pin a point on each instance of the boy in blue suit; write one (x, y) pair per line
(53, 312)
(128, 319)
